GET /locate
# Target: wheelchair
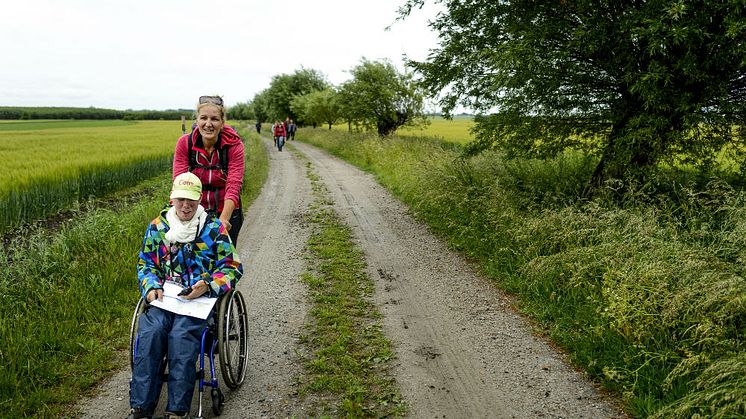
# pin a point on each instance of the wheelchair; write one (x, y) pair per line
(225, 336)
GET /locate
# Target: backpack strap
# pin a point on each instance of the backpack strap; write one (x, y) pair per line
(192, 153)
(222, 158)
(222, 163)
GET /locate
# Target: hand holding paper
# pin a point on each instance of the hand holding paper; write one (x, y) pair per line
(199, 307)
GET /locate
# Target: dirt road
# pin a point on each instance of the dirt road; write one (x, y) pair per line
(462, 351)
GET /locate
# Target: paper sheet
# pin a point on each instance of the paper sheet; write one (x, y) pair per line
(199, 307)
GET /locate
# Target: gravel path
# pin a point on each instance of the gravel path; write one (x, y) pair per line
(462, 350)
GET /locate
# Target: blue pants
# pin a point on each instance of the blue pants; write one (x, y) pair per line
(161, 332)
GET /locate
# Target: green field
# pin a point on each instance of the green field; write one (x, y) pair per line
(52, 124)
(52, 165)
(456, 130)
(59, 149)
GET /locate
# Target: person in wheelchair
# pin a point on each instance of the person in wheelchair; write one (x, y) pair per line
(185, 245)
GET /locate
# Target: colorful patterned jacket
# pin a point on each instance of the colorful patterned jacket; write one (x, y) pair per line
(211, 257)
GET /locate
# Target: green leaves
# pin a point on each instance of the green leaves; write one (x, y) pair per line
(285, 86)
(318, 107)
(637, 78)
(380, 97)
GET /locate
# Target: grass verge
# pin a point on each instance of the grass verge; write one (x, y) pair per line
(349, 358)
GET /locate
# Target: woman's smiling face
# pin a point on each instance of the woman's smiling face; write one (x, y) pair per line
(210, 122)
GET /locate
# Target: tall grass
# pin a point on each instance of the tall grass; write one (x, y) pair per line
(68, 296)
(41, 197)
(256, 168)
(49, 166)
(648, 295)
(67, 302)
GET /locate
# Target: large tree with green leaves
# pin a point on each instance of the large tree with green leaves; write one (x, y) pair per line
(241, 111)
(380, 97)
(318, 107)
(635, 82)
(284, 87)
(260, 106)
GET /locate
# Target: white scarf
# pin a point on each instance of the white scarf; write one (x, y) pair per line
(184, 231)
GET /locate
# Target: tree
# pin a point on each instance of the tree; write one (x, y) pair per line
(259, 106)
(319, 107)
(352, 106)
(241, 111)
(379, 96)
(284, 87)
(634, 82)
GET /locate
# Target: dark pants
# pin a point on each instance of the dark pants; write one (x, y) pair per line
(280, 142)
(159, 333)
(236, 221)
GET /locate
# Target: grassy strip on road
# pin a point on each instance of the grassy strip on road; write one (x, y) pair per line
(68, 296)
(647, 294)
(349, 357)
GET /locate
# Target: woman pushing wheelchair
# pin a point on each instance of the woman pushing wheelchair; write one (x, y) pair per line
(187, 246)
(215, 153)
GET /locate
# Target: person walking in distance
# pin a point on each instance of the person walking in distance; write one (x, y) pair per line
(291, 130)
(272, 130)
(279, 135)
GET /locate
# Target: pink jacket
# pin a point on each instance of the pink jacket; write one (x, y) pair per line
(216, 187)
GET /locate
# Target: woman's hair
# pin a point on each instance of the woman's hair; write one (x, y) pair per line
(216, 101)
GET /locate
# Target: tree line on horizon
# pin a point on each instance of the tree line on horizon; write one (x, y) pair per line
(35, 113)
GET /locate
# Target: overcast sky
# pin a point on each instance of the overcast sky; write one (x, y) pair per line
(164, 54)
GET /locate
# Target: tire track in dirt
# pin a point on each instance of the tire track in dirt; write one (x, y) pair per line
(462, 350)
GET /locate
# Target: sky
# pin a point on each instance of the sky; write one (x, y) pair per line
(164, 54)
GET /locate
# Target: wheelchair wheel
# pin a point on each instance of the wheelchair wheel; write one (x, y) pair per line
(218, 401)
(233, 339)
(139, 309)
